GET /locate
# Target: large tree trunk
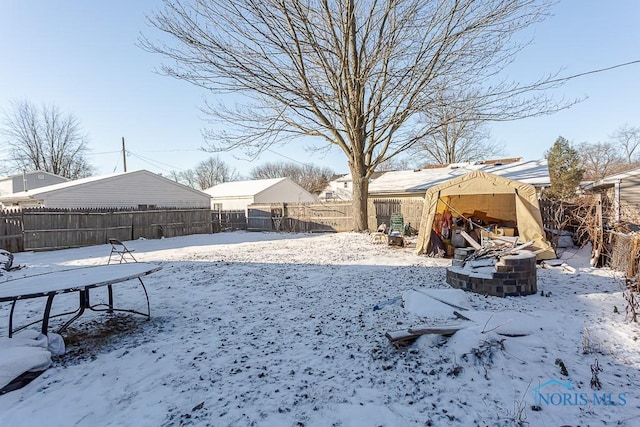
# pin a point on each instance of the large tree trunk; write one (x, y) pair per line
(360, 196)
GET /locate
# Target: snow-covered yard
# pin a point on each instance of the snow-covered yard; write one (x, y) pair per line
(280, 330)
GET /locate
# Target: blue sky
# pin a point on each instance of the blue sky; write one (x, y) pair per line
(82, 57)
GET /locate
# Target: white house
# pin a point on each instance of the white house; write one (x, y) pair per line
(137, 189)
(28, 181)
(341, 188)
(237, 195)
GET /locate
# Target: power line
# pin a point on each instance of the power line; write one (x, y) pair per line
(600, 70)
(154, 163)
(288, 158)
(171, 151)
(102, 152)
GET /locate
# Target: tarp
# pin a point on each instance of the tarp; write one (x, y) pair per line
(494, 195)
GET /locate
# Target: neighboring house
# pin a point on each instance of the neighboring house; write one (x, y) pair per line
(237, 195)
(414, 183)
(28, 181)
(622, 192)
(137, 189)
(341, 188)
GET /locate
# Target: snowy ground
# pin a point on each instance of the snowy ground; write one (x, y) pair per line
(279, 330)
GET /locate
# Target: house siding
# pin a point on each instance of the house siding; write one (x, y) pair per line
(232, 203)
(131, 190)
(16, 183)
(6, 187)
(284, 192)
(630, 190)
(36, 180)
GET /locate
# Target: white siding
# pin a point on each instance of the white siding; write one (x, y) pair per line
(232, 203)
(6, 187)
(284, 192)
(127, 190)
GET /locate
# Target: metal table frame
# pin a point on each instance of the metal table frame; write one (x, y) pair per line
(83, 289)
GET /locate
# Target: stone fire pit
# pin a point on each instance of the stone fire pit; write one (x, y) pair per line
(513, 274)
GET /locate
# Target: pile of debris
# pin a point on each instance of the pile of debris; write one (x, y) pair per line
(448, 315)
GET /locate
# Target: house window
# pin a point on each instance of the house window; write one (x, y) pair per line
(217, 207)
(346, 185)
(40, 176)
(328, 195)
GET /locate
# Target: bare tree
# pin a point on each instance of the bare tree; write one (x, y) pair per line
(462, 135)
(312, 178)
(176, 176)
(628, 137)
(187, 177)
(45, 139)
(207, 173)
(394, 164)
(353, 73)
(600, 159)
(214, 171)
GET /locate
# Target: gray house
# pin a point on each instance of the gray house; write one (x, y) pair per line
(28, 181)
(622, 192)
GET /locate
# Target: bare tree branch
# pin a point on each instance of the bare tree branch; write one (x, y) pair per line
(628, 137)
(45, 139)
(350, 72)
(600, 159)
(207, 173)
(312, 178)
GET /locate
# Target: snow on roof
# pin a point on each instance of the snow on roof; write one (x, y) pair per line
(242, 188)
(533, 172)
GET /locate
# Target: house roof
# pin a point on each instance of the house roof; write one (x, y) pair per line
(243, 188)
(44, 191)
(533, 172)
(612, 179)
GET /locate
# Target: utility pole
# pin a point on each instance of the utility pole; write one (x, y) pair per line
(124, 155)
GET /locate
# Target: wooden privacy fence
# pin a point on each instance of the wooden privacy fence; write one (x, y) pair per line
(228, 220)
(11, 231)
(300, 217)
(45, 229)
(329, 216)
(410, 209)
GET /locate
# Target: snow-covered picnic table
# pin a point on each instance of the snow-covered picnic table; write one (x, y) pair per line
(80, 280)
